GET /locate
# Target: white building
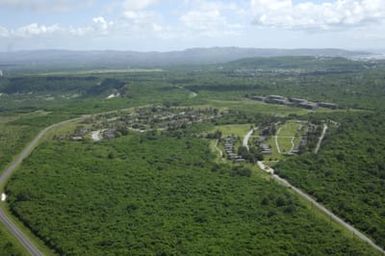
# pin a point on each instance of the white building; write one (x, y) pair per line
(1, 73)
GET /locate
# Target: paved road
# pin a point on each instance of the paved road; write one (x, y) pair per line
(16, 232)
(325, 128)
(6, 174)
(319, 206)
(276, 141)
(246, 139)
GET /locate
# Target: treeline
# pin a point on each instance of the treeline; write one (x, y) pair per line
(306, 64)
(88, 85)
(49, 84)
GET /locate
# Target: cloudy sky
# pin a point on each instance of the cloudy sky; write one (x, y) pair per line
(178, 24)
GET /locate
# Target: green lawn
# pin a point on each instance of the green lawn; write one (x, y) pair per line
(275, 156)
(288, 135)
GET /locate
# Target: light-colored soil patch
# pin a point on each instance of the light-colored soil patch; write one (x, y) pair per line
(96, 135)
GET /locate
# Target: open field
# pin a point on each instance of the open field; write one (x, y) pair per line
(289, 136)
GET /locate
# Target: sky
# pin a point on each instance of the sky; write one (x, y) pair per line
(165, 25)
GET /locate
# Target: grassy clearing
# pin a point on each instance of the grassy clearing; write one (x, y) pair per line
(285, 144)
(275, 156)
(217, 151)
(288, 135)
(289, 128)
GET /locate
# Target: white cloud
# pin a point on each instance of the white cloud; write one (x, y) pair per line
(137, 18)
(202, 20)
(212, 18)
(309, 15)
(45, 5)
(137, 5)
(4, 32)
(35, 29)
(101, 25)
(98, 27)
(140, 22)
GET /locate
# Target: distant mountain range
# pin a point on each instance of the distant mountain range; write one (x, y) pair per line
(63, 59)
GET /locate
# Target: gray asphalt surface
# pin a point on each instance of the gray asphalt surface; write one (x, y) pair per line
(16, 232)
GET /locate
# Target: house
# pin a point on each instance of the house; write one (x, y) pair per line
(261, 139)
(265, 149)
(276, 97)
(277, 101)
(109, 134)
(328, 105)
(308, 105)
(258, 98)
(295, 150)
(297, 100)
(77, 138)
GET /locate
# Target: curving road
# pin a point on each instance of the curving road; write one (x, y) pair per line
(276, 141)
(246, 139)
(6, 174)
(314, 203)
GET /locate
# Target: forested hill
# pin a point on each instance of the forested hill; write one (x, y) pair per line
(299, 64)
(61, 59)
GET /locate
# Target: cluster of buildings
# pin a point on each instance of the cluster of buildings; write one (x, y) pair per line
(230, 150)
(166, 118)
(82, 132)
(111, 125)
(298, 102)
(264, 148)
(267, 131)
(79, 134)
